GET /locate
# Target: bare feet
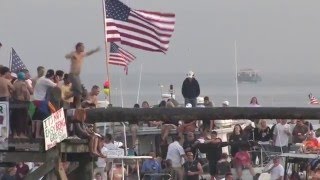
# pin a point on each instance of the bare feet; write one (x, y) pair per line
(22, 136)
(39, 137)
(16, 136)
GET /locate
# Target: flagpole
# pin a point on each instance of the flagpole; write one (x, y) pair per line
(139, 85)
(10, 60)
(107, 45)
(121, 93)
(236, 68)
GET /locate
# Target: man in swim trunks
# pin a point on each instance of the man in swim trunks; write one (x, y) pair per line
(76, 58)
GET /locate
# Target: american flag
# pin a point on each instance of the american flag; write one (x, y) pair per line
(119, 56)
(16, 63)
(313, 100)
(145, 30)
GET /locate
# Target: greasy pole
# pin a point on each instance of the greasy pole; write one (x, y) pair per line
(161, 114)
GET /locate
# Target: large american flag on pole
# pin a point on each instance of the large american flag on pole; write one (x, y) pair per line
(119, 56)
(313, 100)
(16, 63)
(145, 30)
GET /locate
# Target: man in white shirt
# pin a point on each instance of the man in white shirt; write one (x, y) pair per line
(39, 95)
(277, 170)
(43, 84)
(281, 136)
(177, 155)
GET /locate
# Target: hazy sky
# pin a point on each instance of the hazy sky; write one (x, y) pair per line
(272, 35)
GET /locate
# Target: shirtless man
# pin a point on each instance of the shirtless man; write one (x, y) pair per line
(92, 99)
(76, 58)
(6, 88)
(19, 120)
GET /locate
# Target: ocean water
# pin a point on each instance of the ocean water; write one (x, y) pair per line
(280, 90)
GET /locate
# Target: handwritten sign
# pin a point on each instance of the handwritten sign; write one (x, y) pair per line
(55, 129)
(4, 125)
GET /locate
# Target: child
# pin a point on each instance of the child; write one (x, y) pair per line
(242, 160)
(223, 166)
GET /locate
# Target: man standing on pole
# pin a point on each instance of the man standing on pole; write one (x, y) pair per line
(76, 58)
(190, 89)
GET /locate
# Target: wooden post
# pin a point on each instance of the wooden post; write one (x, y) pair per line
(85, 168)
(51, 158)
(206, 114)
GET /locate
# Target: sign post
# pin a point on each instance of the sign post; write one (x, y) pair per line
(4, 125)
(55, 129)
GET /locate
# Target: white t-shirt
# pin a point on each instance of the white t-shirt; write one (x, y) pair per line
(282, 138)
(175, 151)
(101, 162)
(41, 88)
(277, 172)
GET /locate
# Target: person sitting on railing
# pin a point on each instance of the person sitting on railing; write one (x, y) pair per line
(87, 131)
(92, 99)
(187, 125)
(133, 126)
(167, 126)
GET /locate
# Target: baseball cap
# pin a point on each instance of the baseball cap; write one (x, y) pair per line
(226, 103)
(190, 74)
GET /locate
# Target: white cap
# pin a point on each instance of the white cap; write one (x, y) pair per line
(14, 75)
(200, 100)
(190, 74)
(226, 103)
(188, 105)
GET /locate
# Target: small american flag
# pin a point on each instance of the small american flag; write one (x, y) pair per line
(145, 30)
(313, 100)
(120, 57)
(16, 63)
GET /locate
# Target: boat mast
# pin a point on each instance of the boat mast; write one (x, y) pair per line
(139, 86)
(236, 68)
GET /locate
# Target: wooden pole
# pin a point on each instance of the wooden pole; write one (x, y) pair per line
(106, 44)
(151, 114)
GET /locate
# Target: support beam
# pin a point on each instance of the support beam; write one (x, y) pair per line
(151, 114)
(50, 163)
(22, 157)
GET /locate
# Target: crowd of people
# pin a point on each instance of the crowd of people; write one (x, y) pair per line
(183, 157)
(189, 154)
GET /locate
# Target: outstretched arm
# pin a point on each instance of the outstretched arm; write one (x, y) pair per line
(93, 51)
(69, 56)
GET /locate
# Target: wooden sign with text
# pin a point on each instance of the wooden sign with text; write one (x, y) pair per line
(55, 129)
